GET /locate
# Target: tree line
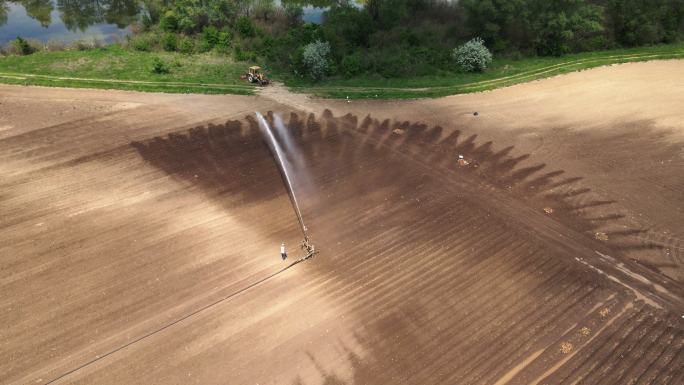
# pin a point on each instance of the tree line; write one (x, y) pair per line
(389, 38)
(416, 37)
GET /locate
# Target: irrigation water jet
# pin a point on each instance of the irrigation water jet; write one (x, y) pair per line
(284, 165)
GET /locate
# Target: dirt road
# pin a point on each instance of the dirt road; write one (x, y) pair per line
(140, 237)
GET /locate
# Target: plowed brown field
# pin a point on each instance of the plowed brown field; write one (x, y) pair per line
(139, 240)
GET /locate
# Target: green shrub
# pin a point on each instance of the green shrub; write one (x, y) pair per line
(141, 43)
(224, 41)
(159, 66)
(243, 55)
(169, 22)
(22, 47)
(209, 38)
(169, 42)
(472, 56)
(186, 45)
(245, 27)
(187, 25)
(352, 64)
(393, 63)
(267, 47)
(203, 46)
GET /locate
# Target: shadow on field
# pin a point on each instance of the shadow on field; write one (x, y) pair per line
(570, 200)
(230, 161)
(445, 287)
(220, 159)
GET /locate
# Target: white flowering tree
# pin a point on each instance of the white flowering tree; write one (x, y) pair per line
(472, 56)
(315, 59)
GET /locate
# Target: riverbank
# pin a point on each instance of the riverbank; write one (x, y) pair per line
(114, 67)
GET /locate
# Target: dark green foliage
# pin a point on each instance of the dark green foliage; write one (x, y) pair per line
(352, 65)
(169, 42)
(244, 55)
(293, 13)
(640, 22)
(245, 27)
(141, 44)
(347, 27)
(209, 38)
(169, 22)
(405, 38)
(561, 26)
(501, 23)
(160, 67)
(545, 27)
(224, 41)
(186, 45)
(22, 47)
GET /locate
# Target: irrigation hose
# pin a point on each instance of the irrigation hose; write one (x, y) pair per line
(183, 318)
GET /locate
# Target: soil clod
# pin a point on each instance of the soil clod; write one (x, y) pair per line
(601, 236)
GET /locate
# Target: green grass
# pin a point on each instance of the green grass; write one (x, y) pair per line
(115, 67)
(118, 68)
(502, 72)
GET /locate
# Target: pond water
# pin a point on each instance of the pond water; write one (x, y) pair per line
(104, 20)
(67, 20)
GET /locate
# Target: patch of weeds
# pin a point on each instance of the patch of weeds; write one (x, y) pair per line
(159, 66)
(21, 46)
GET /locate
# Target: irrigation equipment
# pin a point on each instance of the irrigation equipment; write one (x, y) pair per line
(284, 166)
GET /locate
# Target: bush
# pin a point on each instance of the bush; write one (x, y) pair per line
(169, 42)
(352, 65)
(392, 63)
(209, 39)
(186, 45)
(315, 59)
(224, 40)
(159, 66)
(242, 55)
(187, 25)
(22, 47)
(472, 56)
(169, 22)
(141, 43)
(245, 27)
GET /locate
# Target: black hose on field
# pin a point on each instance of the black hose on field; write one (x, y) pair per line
(183, 318)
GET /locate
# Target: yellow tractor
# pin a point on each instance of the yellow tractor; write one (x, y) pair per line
(256, 75)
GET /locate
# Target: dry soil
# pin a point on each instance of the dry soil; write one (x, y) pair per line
(139, 236)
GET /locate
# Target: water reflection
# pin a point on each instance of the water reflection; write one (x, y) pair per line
(69, 20)
(80, 14)
(39, 10)
(66, 19)
(77, 14)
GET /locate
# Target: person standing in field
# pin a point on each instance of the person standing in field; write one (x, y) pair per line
(283, 254)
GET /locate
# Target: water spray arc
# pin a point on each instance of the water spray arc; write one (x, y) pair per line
(282, 162)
